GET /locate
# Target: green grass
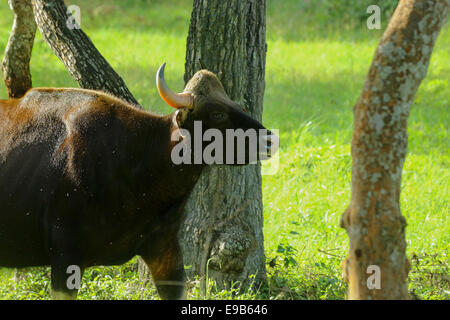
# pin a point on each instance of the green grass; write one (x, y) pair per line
(316, 65)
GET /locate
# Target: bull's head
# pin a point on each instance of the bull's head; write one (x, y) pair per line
(204, 106)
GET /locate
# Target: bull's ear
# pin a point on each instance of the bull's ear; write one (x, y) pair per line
(175, 100)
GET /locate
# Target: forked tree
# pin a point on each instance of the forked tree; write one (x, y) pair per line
(377, 266)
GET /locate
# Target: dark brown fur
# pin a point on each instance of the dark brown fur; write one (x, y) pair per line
(87, 179)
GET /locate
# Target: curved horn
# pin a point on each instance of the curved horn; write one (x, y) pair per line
(176, 100)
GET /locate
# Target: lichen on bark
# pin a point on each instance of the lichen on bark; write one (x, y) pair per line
(16, 63)
(373, 220)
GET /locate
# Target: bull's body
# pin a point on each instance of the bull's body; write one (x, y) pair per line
(86, 179)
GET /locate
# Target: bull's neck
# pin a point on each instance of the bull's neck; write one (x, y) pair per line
(176, 141)
(160, 137)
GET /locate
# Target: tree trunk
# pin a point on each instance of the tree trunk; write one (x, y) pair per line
(16, 63)
(374, 223)
(222, 236)
(74, 48)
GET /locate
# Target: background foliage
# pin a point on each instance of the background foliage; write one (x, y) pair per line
(319, 52)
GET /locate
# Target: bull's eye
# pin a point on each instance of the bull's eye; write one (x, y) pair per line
(218, 116)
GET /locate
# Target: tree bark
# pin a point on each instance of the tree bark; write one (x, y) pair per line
(222, 235)
(74, 48)
(16, 63)
(374, 223)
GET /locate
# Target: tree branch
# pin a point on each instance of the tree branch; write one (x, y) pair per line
(74, 48)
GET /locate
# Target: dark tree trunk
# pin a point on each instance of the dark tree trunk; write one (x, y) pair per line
(16, 63)
(374, 223)
(74, 48)
(224, 215)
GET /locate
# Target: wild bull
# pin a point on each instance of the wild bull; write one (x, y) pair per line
(87, 179)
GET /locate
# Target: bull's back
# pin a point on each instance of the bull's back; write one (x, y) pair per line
(32, 130)
(58, 149)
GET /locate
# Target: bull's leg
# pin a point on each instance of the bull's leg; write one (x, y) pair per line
(64, 243)
(65, 260)
(66, 278)
(165, 262)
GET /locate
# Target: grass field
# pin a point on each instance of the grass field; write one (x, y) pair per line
(316, 64)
